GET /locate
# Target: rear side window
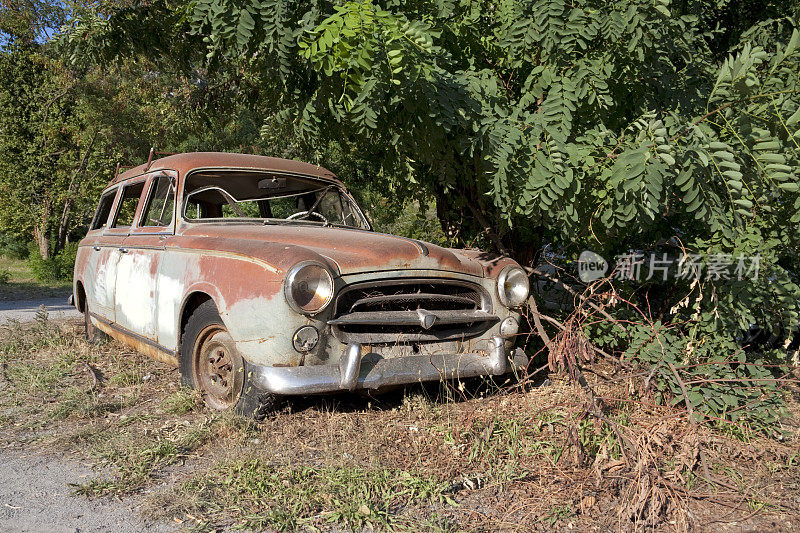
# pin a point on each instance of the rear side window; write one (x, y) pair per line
(161, 203)
(127, 205)
(103, 210)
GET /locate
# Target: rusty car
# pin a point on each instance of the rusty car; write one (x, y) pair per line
(261, 278)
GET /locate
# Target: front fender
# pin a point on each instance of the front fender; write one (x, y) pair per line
(241, 288)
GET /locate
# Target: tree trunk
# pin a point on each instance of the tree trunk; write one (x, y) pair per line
(74, 182)
(42, 241)
(63, 224)
(41, 231)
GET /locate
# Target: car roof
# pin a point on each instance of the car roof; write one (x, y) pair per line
(187, 162)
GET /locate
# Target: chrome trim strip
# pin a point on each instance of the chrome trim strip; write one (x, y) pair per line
(410, 318)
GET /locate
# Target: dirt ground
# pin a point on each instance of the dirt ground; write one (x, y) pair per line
(36, 491)
(91, 436)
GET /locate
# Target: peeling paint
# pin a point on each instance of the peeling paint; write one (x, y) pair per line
(135, 292)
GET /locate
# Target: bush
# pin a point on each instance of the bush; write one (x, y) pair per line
(5, 275)
(57, 268)
(65, 261)
(13, 246)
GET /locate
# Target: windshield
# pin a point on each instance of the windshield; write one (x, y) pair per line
(268, 197)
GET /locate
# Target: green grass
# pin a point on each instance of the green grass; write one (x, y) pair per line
(128, 378)
(181, 402)
(27, 374)
(558, 512)
(502, 448)
(19, 284)
(287, 498)
(136, 456)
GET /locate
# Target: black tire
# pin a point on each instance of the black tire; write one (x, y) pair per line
(210, 363)
(93, 334)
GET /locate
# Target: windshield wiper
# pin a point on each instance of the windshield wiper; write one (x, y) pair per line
(284, 222)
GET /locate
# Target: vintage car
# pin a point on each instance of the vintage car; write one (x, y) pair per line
(261, 277)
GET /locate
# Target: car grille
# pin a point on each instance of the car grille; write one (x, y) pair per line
(411, 311)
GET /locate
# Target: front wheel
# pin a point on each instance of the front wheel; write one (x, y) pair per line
(210, 363)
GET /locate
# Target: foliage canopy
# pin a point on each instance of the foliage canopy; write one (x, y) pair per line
(639, 125)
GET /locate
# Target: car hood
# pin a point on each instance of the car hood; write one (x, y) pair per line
(350, 251)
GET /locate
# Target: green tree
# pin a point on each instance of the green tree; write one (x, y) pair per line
(617, 126)
(530, 121)
(47, 147)
(64, 127)
(28, 20)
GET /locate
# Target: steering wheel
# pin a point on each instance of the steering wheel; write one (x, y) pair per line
(305, 214)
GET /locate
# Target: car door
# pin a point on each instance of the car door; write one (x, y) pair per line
(99, 251)
(109, 247)
(137, 272)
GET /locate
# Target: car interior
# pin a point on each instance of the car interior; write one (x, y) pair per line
(215, 195)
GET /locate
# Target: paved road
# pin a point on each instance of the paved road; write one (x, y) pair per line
(25, 310)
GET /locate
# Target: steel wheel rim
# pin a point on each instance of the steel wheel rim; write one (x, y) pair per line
(217, 368)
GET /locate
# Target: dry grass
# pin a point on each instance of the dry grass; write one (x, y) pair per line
(423, 459)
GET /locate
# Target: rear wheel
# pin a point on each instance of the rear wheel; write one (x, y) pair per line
(93, 334)
(210, 363)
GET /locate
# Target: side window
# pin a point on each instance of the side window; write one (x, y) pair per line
(127, 205)
(160, 204)
(103, 210)
(205, 204)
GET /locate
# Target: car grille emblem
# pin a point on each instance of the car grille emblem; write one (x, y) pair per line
(426, 319)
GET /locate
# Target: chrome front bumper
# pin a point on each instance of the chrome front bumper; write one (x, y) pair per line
(371, 371)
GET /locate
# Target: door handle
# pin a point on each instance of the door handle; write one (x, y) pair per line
(123, 250)
(96, 248)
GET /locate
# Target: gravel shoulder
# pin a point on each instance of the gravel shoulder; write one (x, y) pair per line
(36, 497)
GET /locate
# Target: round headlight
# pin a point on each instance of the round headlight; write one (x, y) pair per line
(513, 286)
(308, 287)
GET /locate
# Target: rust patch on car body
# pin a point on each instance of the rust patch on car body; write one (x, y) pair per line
(138, 344)
(183, 163)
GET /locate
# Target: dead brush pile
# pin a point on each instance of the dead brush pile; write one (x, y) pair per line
(641, 466)
(669, 466)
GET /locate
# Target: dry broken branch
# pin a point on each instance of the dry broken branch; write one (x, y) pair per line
(93, 374)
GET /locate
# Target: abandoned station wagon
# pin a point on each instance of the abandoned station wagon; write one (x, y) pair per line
(260, 277)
